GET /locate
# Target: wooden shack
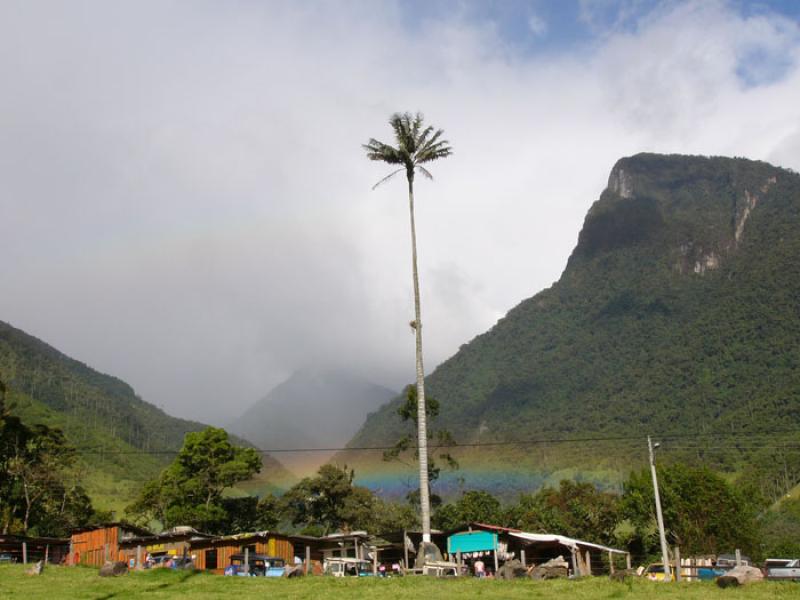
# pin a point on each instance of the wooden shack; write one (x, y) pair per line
(93, 546)
(214, 554)
(172, 543)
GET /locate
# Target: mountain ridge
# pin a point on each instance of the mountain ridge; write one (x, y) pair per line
(100, 414)
(676, 311)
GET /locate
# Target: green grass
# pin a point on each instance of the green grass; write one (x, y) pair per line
(84, 583)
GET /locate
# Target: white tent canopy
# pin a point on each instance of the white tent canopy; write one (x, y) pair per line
(570, 543)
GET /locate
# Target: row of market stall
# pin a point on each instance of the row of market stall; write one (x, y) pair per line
(395, 552)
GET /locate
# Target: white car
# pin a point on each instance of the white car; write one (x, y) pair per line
(782, 568)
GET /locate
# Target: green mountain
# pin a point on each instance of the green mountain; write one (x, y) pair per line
(122, 440)
(676, 315)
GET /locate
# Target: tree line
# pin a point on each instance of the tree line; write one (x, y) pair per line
(40, 479)
(704, 513)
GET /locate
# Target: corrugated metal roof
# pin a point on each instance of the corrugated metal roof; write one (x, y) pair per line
(569, 542)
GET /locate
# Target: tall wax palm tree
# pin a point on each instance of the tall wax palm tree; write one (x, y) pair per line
(416, 146)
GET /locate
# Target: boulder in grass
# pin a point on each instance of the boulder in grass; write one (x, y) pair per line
(511, 569)
(556, 568)
(740, 575)
(113, 569)
(36, 569)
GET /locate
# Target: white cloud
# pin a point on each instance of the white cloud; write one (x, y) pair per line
(537, 25)
(186, 204)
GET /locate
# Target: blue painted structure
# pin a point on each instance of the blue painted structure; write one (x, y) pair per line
(472, 541)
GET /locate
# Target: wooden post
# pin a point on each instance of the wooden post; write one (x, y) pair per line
(677, 563)
(247, 560)
(495, 560)
(405, 549)
(576, 565)
(522, 558)
(71, 559)
(459, 561)
(139, 557)
(355, 542)
(628, 560)
(105, 552)
(611, 561)
(738, 557)
(374, 561)
(308, 559)
(588, 563)
(46, 553)
(24, 553)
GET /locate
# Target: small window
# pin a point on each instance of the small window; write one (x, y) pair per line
(211, 558)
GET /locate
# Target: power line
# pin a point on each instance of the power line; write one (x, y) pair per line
(98, 450)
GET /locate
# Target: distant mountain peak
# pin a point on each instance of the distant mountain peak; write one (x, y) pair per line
(313, 408)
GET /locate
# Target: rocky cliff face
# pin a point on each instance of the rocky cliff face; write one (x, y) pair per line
(677, 310)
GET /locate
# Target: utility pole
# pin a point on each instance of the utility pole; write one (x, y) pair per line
(659, 516)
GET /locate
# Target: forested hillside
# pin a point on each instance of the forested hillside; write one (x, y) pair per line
(121, 439)
(677, 314)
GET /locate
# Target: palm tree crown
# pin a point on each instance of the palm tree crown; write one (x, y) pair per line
(416, 145)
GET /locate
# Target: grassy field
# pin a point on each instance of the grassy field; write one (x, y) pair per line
(84, 583)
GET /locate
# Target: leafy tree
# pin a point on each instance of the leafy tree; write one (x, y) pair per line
(329, 501)
(473, 506)
(189, 491)
(703, 513)
(250, 513)
(441, 439)
(416, 145)
(574, 509)
(780, 529)
(39, 481)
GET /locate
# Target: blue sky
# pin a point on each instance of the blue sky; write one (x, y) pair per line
(552, 26)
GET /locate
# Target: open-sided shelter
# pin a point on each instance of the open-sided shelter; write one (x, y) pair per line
(21, 548)
(498, 544)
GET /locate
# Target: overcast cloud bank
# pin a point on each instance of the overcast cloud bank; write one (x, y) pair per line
(185, 202)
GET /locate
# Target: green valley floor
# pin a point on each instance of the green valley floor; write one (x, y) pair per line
(84, 583)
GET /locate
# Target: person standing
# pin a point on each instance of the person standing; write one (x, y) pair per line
(480, 568)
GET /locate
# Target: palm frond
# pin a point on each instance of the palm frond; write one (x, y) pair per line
(388, 177)
(423, 137)
(438, 151)
(415, 127)
(403, 125)
(424, 171)
(384, 152)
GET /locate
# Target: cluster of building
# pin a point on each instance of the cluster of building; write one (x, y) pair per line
(477, 543)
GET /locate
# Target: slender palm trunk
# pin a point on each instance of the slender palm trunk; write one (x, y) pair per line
(422, 427)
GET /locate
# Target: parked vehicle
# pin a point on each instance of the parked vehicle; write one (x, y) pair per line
(259, 565)
(654, 572)
(179, 562)
(782, 568)
(348, 567)
(728, 561)
(157, 561)
(440, 569)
